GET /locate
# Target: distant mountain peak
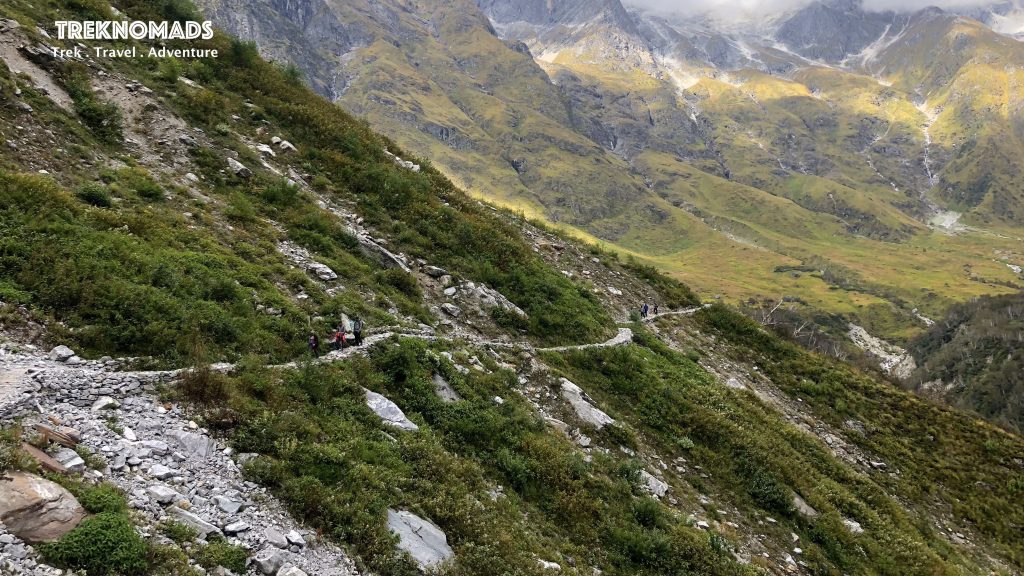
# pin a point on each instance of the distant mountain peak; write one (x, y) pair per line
(545, 15)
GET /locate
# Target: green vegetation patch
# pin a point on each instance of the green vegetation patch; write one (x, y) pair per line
(102, 545)
(336, 466)
(945, 459)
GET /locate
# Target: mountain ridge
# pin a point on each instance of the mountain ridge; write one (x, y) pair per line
(890, 169)
(174, 232)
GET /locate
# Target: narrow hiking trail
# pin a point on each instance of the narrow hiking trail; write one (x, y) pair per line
(15, 377)
(167, 465)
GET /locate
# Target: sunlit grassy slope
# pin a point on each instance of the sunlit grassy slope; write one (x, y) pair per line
(727, 180)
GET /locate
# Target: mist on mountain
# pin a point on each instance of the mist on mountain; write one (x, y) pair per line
(770, 7)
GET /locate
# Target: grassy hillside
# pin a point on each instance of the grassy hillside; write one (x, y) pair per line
(155, 244)
(972, 359)
(596, 134)
(110, 237)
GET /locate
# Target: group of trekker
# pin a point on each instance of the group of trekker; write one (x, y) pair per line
(646, 310)
(339, 338)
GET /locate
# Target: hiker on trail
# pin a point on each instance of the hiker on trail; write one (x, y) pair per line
(643, 310)
(314, 344)
(338, 342)
(357, 331)
(655, 308)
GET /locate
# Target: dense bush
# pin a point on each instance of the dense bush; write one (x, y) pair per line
(221, 553)
(750, 452)
(976, 350)
(674, 293)
(100, 498)
(140, 283)
(178, 532)
(95, 194)
(11, 455)
(103, 545)
(103, 118)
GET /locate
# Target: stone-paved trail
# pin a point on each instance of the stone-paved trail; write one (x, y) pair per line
(168, 467)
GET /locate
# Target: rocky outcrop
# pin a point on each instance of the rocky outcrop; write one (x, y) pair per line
(301, 257)
(36, 509)
(422, 539)
(388, 411)
(444, 389)
(653, 485)
(891, 358)
(403, 163)
(583, 405)
(239, 169)
(167, 466)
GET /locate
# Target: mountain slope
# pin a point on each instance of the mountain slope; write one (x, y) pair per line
(604, 120)
(693, 442)
(972, 359)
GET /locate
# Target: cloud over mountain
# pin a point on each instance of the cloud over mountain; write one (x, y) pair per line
(752, 7)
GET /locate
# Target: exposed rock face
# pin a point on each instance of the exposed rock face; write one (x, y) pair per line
(831, 31)
(389, 412)
(803, 507)
(546, 14)
(303, 258)
(423, 540)
(653, 485)
(35, 509)
(239, 169)
(891, 358)
(444, 389)
(582, 404)
(312, 26)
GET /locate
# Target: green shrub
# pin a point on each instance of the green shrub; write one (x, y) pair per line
(101, 498)
(404, 282)
(178, 10)
(767, 491)
(648, 513)
(244, 53)
(204, 107)
(103, 545)
(12, 457)
(103, 118)
(92, 460)
(220, 553)
(292, 74)
(241, 209)
(140, 182)
(674, 293)
(509, 320)
(95, 194)
(203, 386)
(178, 532)
(169, 69)
(280, 193)
(170, 561)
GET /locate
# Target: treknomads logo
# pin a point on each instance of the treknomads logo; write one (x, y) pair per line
(128, 30)
(133, 30)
